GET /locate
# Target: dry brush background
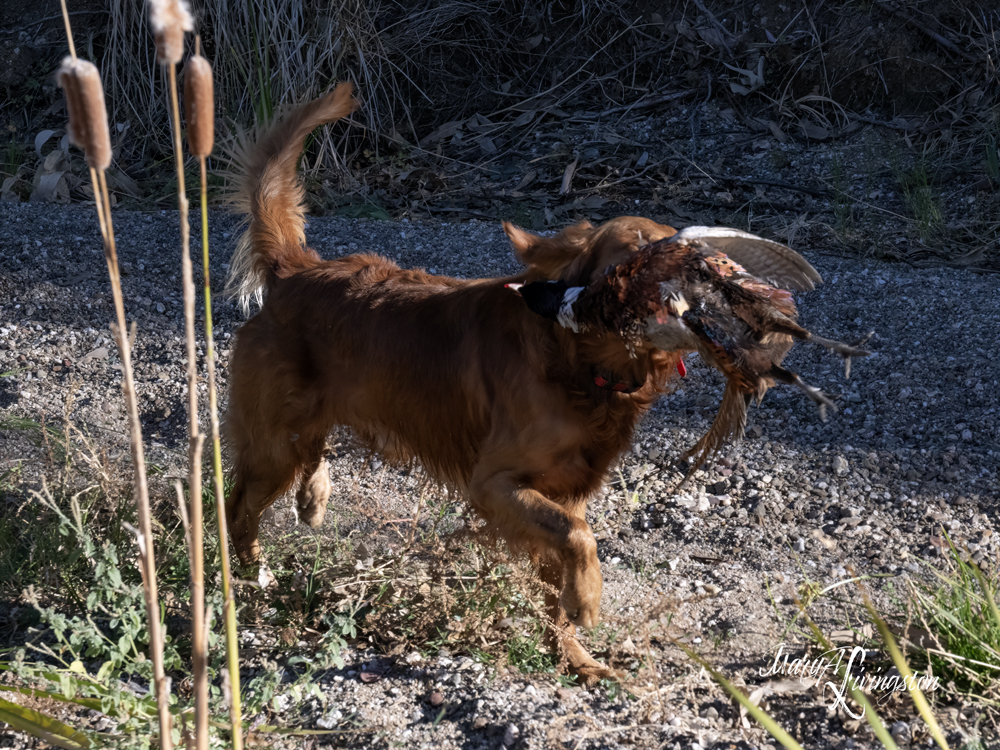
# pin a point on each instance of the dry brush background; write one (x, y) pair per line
(866, 129)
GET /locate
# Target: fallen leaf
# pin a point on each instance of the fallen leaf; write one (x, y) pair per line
(811, 130)
(486, 144)
(525, 117)
(567, 179)
(51, 187)
(526, 180)
(40, 140)
(777, 132)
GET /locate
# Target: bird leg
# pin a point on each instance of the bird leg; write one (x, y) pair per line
(844, 350)
(789, 377)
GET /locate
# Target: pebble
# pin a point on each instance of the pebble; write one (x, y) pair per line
(511, 734)
(329, 720)
(840, 466)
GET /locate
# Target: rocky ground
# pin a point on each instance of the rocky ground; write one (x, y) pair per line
(913, 451)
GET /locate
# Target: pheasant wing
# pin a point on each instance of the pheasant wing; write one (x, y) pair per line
(765, 259)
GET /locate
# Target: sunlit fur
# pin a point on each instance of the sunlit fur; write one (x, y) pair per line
(458, 374)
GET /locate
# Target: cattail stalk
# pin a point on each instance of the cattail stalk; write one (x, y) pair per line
(88, 129)
(199, 107)
(169, 20)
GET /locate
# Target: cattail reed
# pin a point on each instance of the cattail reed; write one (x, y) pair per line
(169, 19)
(199, 107)
(88, 121)
(88, 129)
(196, 72)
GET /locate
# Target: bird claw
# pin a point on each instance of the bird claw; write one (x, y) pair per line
(822, 400)
(845, 350)
(847, 360)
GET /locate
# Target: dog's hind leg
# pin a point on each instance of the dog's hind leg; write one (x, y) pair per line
(263, 474)
(314, 492)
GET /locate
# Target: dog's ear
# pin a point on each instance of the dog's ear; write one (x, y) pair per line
(550, 255)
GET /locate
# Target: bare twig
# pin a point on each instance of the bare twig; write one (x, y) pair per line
(641, 104)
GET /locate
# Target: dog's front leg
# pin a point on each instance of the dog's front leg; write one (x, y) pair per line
(562, 632)
(528, 519)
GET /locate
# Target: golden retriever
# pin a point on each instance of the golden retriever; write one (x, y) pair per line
(523, 416)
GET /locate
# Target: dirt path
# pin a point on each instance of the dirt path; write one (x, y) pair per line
(915, 447)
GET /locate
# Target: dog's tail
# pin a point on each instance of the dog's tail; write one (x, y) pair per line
(268, 190)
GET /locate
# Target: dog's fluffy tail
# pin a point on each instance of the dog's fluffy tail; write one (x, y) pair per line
(268, 190)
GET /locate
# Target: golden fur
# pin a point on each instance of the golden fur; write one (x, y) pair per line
(457, 374)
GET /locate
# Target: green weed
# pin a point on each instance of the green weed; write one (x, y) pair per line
(843, 204)
(920, 197)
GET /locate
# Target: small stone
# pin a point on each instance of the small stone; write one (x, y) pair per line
(480, 722)
(329, 720)
(900, 732)
(510, 734)
(160, 308)
(711, 589)
(840, 466)
(436, 698)
(414, 658)
(564, 694)
(710, 713)
(800, 545)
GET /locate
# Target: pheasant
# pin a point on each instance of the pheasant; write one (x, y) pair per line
(721, 292)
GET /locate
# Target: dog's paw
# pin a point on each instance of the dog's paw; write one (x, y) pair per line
(581, 597)
(585, 666)
(312, 497)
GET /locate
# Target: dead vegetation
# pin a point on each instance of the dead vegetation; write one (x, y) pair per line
(528, 111)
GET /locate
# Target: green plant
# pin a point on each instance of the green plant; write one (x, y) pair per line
(843, 206)
(954, 626)
(112, 629)
(14, 155)
(919, 196)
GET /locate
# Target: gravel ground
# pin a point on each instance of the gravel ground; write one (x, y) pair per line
(914, 449)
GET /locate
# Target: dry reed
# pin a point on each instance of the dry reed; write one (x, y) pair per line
(88, 128)
(197, 125)
(199, 107)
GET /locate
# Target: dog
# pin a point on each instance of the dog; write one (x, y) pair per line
(524, 417)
